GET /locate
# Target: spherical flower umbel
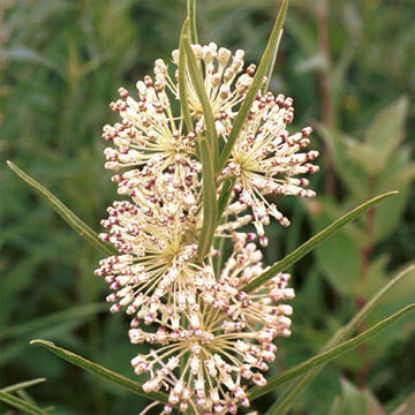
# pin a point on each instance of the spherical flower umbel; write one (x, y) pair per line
(156, 238)
(267, 160)
(224, 341)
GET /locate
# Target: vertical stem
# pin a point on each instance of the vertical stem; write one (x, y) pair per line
(325, 88)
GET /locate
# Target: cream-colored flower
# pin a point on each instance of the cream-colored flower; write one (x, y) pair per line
(156, 237)
(205, 355)
(267, 161)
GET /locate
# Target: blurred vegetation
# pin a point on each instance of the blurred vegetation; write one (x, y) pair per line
(349, 65)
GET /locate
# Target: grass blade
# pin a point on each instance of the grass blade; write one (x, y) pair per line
(191, 13)
(20, 404)
(345, 332)
(315, 240)
(58, 318)
(197, 81)
(100, 371)
(330, 355)
(210, 206)
(66, 214)
(22, 385)
(264, 65)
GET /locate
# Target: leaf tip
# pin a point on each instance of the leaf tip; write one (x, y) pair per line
(391, 193)
(39, 342)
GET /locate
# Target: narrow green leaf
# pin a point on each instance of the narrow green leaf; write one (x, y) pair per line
(22, 385)
(308, 246)
(224, 196)
(328, 356)
(197, 81)
(191, 13)
(272, 64)
(58, 318)
(342, 334)
(20, 404)
(264, 65)
(66, 214)
(210, 207)
(184, 101)
(100, 371)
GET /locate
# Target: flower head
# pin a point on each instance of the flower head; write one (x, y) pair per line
(156, 238)
(266, 160)
(205, 356)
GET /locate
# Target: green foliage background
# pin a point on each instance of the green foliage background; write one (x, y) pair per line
(349, 65)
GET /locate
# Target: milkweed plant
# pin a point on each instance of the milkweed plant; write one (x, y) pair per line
(198, 150)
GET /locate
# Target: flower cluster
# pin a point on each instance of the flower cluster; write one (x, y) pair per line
(208, 337)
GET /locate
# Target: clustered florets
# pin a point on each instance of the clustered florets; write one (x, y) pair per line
(208, 338)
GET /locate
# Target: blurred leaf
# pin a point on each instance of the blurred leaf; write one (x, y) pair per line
(20, 404)
(72, 315)
(22, 385)
(315, 240)
(398, 174)
(338, 77)
(339, 258)
(31, 56)
(315, 62)
(13, 283)
(100, 371)
(328, 356)
(351, 402)
(67, 215)
(355, 401)
(303, 32)
(351, 173)
(375, 279)
(386, 132)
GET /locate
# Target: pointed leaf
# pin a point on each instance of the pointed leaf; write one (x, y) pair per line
(271, 66)
(184, 101)
(264, 66)
(330, 355)
(315, 240)
(197, 81)
(224, 196)
(20, 404)
(100, 371)
(210, 206)
(66, 214)
(23, 385)
(191, 14)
